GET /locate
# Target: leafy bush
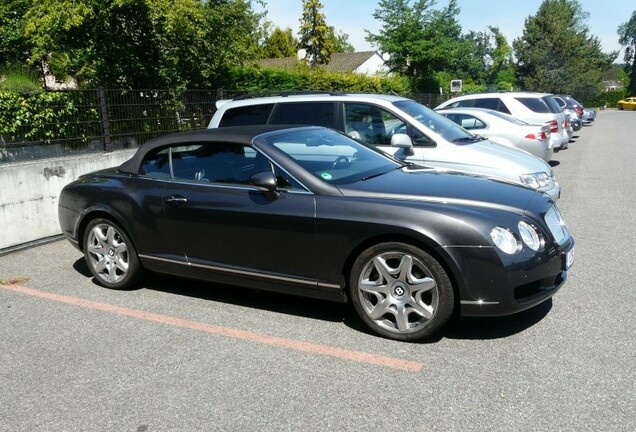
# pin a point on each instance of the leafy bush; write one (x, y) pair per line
(608, 98)
(255, 79)
(44, 117)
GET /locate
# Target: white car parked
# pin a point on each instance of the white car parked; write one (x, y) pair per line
(503, 129)
(397, 125)
(527, 106)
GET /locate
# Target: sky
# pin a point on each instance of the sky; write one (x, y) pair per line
(355, 16)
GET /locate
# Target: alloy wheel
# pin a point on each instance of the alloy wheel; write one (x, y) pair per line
(397, 292)
(108, 253)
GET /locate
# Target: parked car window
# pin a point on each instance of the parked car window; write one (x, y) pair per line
(246, 115)
(551, 102)
(313, 114)
(157, 164)
(374, 125)
(366, 123)
(466, 121)
(534, 104)
(466, 103)
(562, 103)
(492, 103)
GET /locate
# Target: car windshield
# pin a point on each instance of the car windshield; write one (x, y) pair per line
(448, 129)
(332, 157)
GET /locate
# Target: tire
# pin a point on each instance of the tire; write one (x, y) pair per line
(620, 107)
(401, 292)
(110, 255)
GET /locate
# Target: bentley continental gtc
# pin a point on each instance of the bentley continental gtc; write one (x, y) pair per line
(311, 212)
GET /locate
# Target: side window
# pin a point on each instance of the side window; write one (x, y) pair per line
(466, 103)
(306, 113)
(374, 125)
(488, 103)
(246, 115)
(366, 123)
(469, 122)
(419, 139)
(285, 181)
(534, 104)
(466, 121)
(157, 164)
(213, 163)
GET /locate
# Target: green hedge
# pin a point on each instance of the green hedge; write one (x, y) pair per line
(255, 79)
(44, 117)
(608, 98)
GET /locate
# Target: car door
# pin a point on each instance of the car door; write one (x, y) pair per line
(223, 223)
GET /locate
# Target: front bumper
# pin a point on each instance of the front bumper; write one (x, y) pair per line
(495, 287)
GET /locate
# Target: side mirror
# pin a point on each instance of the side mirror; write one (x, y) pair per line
(403, 141)
(265, 182)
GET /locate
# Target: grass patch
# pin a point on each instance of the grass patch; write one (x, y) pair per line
(20, 79)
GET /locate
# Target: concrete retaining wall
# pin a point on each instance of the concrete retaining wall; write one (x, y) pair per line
(29, 192)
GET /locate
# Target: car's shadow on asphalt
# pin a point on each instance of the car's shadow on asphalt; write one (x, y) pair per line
(468, 328)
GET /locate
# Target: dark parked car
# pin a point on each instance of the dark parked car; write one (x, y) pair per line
(309, 211)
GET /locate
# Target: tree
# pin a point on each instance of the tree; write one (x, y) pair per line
(556, 54)
(279, 44)
(421, 41)
(500, 69)
(340, 41)
(14, 46)
(314, 33)
(627, 33)
(143, 43)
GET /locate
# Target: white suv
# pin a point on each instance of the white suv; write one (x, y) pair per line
(383, 121)
(527, 106)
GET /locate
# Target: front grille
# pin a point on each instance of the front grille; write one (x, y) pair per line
(557, 227)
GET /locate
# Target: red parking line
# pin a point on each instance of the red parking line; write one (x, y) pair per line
(326, 350)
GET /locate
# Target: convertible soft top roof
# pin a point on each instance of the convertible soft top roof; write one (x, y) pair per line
(229, 135)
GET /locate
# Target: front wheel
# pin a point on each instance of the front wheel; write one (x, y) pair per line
(401, 292)
(620, 107)
(110, 255)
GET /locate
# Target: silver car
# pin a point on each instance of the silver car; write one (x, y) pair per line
(503, 129)
(527, 106)
(397, 125)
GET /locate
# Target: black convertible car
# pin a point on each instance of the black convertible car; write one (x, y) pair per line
(308, 211)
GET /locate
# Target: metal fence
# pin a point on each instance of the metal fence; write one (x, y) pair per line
(98, 120)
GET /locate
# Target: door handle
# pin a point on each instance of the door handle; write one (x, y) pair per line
(176, 200)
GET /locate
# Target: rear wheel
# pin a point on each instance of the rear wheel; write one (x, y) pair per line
(401, 292)
(110, 255)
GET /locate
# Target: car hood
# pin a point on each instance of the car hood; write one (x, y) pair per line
(493, 159)
(507, 155)
(449, 187)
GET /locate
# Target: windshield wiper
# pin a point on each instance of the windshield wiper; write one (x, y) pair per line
(379, 174)
(474, 138)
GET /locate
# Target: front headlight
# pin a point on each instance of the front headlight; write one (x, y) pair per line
(505, 240)
(530, 236)
(536, 180)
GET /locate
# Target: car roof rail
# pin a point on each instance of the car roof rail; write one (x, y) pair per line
(286, 93)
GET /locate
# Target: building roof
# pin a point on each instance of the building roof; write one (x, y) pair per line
(340, 62)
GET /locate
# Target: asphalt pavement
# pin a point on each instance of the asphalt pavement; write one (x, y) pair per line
(181, 355)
